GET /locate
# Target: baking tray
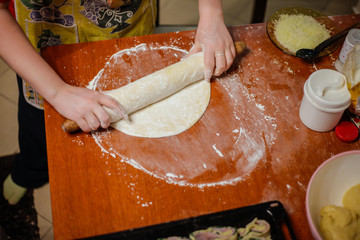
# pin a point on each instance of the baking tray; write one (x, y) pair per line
(273, 212)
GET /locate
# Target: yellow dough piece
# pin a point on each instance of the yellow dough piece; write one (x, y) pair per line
(351, 199)
(339, 223)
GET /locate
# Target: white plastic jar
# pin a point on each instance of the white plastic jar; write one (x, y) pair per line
(325, 99)
(352, 39)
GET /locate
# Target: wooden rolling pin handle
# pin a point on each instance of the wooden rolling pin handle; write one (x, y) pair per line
(70, 126)
(240, 47)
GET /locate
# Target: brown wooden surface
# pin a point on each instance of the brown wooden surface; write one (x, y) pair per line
(250, 135)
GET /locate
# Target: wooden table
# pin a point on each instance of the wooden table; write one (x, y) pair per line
(249, 147)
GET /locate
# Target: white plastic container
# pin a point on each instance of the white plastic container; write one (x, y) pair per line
(352, 39)
(325, 99)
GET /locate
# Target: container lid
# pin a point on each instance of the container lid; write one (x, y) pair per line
(328, 90)
(347, 131)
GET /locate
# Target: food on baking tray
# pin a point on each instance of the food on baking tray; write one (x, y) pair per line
(174, 238)
(228, 233)
(342, 222)
(299, 31)
(256, 229)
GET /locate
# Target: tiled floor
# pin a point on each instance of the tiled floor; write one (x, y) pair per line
(172, 12)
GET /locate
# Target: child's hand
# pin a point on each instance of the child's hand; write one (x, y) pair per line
(214, 39)
(85, 107)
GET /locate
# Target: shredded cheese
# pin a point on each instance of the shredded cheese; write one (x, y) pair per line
(299, 31)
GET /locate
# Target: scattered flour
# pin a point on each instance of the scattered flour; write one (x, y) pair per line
(217, 151)
(246, 107)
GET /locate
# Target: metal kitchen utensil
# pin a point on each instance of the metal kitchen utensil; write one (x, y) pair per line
(309, 54)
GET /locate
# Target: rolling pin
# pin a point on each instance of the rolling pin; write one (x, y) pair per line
(156, 86)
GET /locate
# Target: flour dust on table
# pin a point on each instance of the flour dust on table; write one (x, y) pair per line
(222, 148)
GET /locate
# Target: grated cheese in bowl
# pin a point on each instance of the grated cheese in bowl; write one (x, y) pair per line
(299, 31)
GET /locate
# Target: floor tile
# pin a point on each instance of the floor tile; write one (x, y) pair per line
(9, 128)
(237, 12)
(44, 226)
(3, 66)
(176, 12)
(8, 86)
(43, 202)
(49, 235)
(166, 29)
(339, 7)
(8, 106)
(172, 12)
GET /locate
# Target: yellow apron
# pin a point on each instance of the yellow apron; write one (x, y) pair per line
(54, 22)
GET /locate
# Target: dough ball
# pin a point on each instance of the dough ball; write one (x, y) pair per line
(351, 199)
(339, 223)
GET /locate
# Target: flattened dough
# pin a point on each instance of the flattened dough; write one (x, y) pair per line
(171, 116)
(166, 102)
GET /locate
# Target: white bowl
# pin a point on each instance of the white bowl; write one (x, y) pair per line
(328, 185)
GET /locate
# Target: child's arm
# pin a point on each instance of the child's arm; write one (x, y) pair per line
(213, 38)
(79, 104)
